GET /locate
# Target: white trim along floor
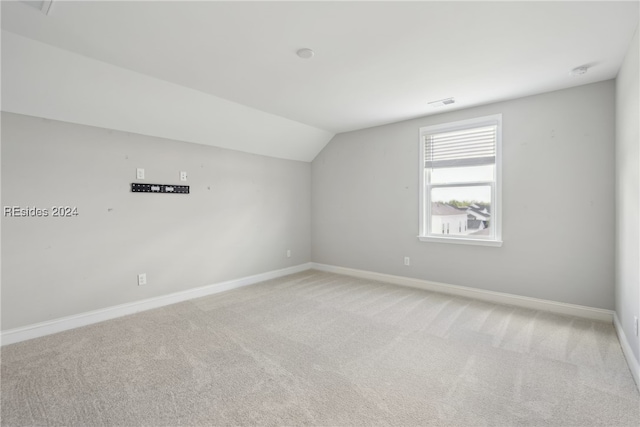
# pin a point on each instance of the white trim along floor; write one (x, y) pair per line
(70, 322)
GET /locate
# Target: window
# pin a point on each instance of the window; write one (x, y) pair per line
(460, 182)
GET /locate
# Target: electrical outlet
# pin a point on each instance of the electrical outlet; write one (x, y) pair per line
(183, 176)
(635, 322)
(140, 173)
(407, 260)
(142, 279)
(288, 253)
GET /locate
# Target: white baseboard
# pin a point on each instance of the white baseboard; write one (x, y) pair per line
(70, 322)
(480, 294)
(634, 366)
(83, 319)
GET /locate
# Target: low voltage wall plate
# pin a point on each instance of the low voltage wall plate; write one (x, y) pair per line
(159, 188)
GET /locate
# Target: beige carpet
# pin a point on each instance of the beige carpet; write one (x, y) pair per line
(322, 349)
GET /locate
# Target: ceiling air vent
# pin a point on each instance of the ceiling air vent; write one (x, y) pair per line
(442, 102)
(42, 6)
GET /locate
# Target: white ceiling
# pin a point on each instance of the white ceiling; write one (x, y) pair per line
(375, 62)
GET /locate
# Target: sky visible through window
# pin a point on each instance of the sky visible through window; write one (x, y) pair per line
(480, 194)
(462, 175)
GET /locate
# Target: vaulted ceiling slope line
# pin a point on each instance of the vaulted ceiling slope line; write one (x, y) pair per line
(45, 81)
(226, 73)
(375, 62)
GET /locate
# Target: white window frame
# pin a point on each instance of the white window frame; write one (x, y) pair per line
(425, 234)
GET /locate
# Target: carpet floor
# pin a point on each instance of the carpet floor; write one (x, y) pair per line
(316, 348)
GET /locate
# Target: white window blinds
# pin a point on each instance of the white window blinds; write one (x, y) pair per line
(468, 147)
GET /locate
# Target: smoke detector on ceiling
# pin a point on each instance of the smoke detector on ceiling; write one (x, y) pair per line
(43, 6)
(578, 71)
(442, 102)
(305, 53)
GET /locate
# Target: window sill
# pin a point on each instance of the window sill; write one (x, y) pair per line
(461, 241)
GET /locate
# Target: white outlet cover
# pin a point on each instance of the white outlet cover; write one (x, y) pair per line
(183, 176)
(140, 173)
(142, 279)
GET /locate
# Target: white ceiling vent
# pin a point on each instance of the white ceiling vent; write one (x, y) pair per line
(442, 102)
(43, 6)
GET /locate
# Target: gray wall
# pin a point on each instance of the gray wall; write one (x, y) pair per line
(243, 212)
(628, 194)
(558, 201)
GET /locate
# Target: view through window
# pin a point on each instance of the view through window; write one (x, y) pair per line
(460, 185)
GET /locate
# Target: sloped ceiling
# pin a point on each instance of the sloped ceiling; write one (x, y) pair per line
(226, 73)
(45, 81)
